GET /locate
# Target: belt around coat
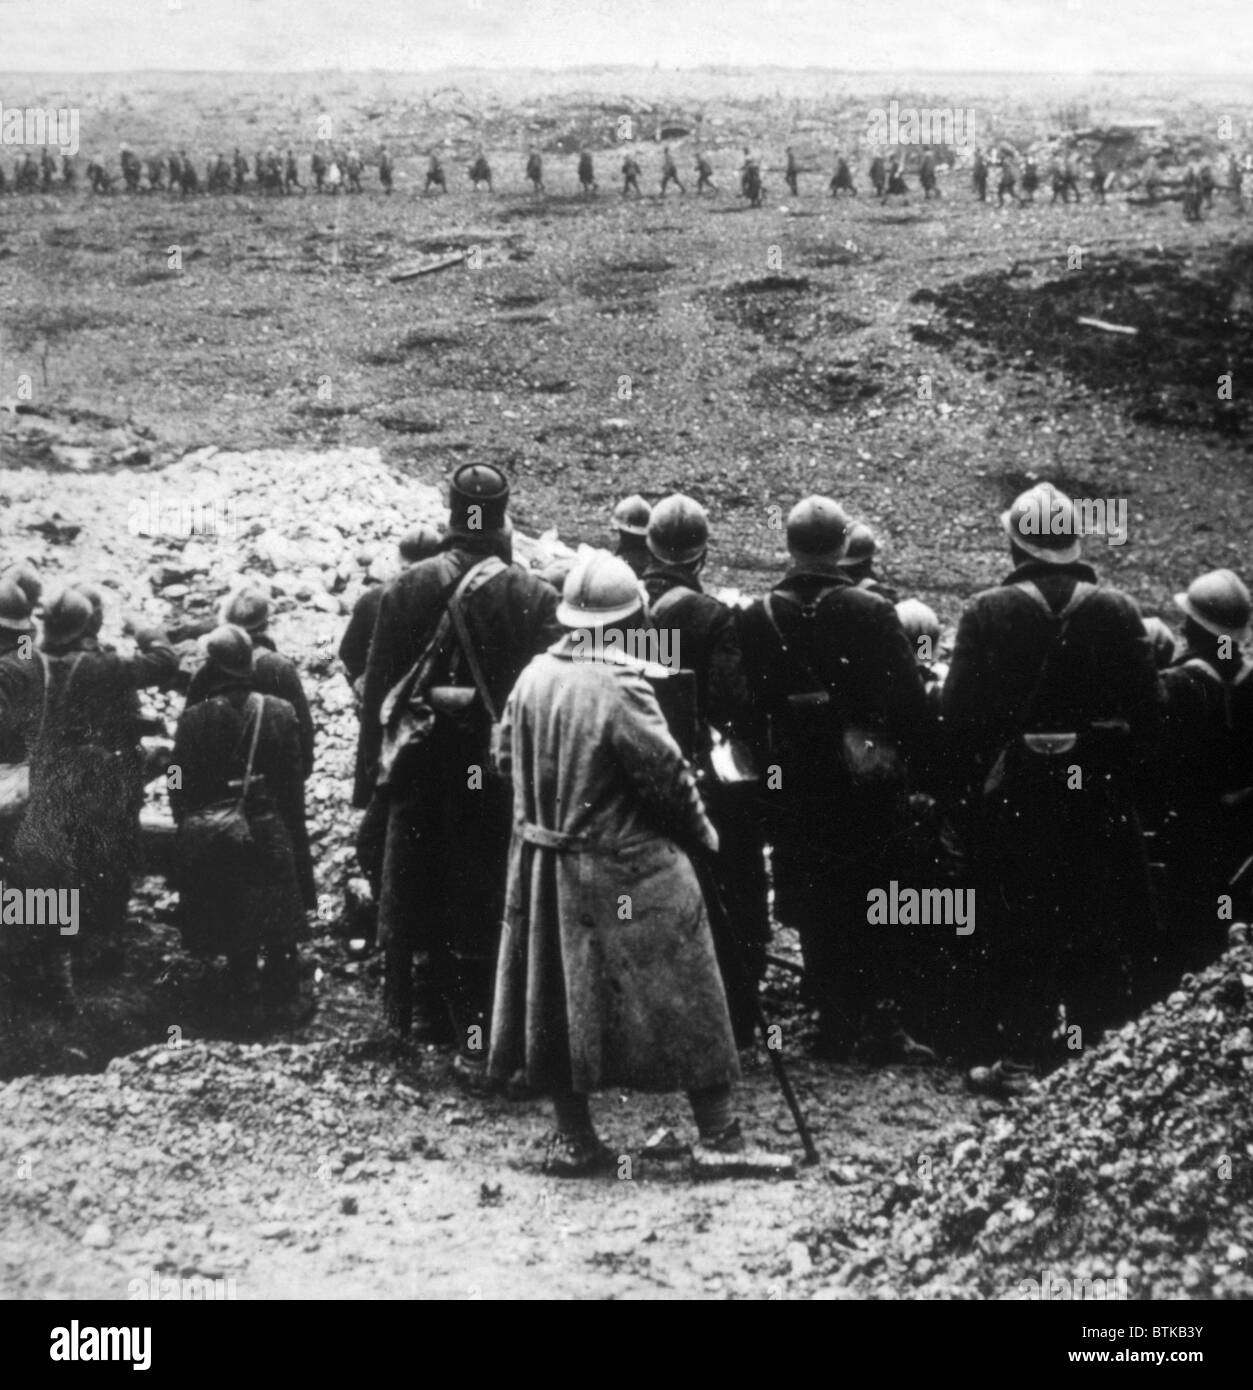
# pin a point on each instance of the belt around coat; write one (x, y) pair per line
(565, 843)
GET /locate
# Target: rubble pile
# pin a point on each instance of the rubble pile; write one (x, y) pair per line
(313, 528)
(347, 1115)
(1131, 1164)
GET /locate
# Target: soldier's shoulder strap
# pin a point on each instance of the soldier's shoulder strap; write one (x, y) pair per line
(1083, 591)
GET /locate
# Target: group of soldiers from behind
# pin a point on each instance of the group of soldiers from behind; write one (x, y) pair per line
(1066, 747)
(640, 829)
(73, 739)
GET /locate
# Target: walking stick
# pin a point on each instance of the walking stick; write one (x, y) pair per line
(735, 957)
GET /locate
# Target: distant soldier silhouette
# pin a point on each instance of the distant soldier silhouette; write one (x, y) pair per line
(1030, 180)
(240, 165)
(980, 176)
(434, 175)
(480, 172)
(354, 168)
(896, 179)
(704, 174)
(385, 170)
(750, 180)
(842, 179)
(669, 172)
(291, 174)
(879, 175)
(47, 170)
(1008, 181)
(631, 176)
(318, 167)
(69, 175)
(131, 169)
(1235, 180)
(535, 172)
(1192, 195)
(1206, 181)
(792, 173)
(587, 175)
(926, 176)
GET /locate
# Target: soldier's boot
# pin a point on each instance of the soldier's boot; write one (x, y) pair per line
(722, 1151)
(574, 1150)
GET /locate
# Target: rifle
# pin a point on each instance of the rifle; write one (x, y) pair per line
(744, 987)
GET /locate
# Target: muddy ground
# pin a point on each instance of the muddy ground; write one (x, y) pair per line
(920, 362)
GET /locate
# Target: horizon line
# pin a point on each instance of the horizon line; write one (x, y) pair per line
(649, 68)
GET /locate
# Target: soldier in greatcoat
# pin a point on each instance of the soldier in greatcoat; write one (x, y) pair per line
(607, 975)
(448, 830)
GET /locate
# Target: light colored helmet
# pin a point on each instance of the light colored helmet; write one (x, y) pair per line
(1218, 602)
(14, 607)
(1042, 523)
(600, 589)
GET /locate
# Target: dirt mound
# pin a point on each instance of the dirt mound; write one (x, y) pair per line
(1191, 312)
(1132, 1164)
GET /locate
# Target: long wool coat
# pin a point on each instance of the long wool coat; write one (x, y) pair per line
(607, 974)
(444, 861)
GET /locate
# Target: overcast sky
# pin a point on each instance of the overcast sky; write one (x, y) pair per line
(1215, 36)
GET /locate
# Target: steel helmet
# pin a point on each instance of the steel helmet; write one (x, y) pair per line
(247, 608)
(478, 495)
(26, 577)
(420, 543)
(600, 589)
(861, 546)
(14, 608)
(631, 515)
(66, 619)
(229, 649)
(678, 530)
(1042, 523)
(1218, 602)
(817, 529)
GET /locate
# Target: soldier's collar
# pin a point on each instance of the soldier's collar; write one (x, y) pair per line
(1041, 569)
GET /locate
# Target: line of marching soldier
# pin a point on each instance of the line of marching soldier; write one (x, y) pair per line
(527, 759)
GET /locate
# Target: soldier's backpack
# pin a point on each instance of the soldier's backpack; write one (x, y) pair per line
(418, 715)
(219, 833)
(1028, 761)
(812, 732)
